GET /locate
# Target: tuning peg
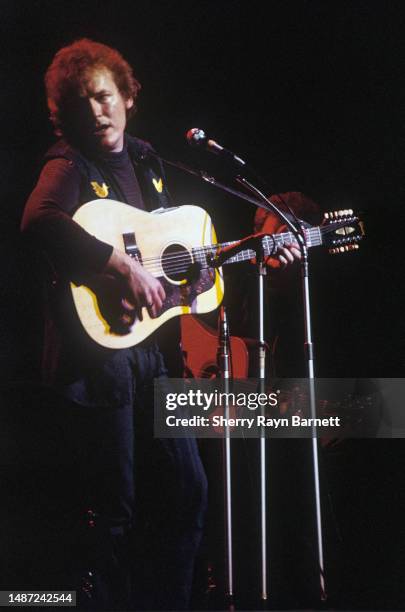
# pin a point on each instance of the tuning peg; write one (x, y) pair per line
(344, 249)
(326, 216)
(344, 212)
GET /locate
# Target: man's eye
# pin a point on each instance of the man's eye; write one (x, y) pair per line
(103, 97)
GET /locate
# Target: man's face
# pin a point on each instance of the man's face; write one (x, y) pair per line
(104, 111)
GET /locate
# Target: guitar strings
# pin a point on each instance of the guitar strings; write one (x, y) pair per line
(203, 251)
(280, 238)
(179, 261)
(209, 248)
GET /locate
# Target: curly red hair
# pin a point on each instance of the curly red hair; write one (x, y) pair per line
(65, 75)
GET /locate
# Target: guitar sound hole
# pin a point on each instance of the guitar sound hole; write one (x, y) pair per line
(177, 263)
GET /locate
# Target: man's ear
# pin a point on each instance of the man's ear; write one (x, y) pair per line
(129, 103)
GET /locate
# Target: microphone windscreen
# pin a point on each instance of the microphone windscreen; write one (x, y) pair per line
(196, 137)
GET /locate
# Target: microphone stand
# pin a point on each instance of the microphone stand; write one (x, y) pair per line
(257, 245)
(261, 273)
(223, 359)
(297, 230)
(299, 234)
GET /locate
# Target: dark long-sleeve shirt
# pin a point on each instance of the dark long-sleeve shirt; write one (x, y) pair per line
(73, 253)
(47, 215)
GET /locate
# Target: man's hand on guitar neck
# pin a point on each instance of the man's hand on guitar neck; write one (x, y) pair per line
(141, 288)
(286, 255)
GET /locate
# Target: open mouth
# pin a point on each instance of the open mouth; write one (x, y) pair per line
(101, 129)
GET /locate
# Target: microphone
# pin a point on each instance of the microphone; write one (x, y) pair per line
(197, 138)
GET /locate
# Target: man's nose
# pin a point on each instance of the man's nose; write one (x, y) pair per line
(95, 107)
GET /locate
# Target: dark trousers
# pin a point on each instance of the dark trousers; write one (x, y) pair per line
(148, 495)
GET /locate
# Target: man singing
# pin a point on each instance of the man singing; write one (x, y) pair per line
(146, 496)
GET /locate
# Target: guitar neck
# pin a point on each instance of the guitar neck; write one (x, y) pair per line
(313, 237)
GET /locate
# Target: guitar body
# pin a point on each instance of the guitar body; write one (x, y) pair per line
(200, 345)
(159, 239)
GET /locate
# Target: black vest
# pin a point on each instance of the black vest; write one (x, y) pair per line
(148, 169)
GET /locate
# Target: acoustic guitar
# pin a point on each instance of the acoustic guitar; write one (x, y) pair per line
(178, 246)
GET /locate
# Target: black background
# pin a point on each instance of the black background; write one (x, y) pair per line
(312, 94)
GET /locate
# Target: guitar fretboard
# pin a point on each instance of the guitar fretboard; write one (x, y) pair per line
(204, 255)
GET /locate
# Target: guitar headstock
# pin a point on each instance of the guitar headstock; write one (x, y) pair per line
(341, 231)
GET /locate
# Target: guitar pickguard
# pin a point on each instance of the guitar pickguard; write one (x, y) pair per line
(185, 294)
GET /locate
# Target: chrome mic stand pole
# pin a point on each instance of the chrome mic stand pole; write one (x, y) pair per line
(312, 404)
(297, 231)
(261, 268)
(299, 235)
(223, 357)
